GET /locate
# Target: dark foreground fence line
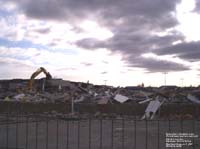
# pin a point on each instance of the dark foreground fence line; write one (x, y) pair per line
(40, 132)
(119, 109)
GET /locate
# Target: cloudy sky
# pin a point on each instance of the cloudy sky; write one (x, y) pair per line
(125, 42)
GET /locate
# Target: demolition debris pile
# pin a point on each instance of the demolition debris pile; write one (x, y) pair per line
(60, 91)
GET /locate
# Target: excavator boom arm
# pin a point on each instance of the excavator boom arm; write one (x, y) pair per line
(35, 74)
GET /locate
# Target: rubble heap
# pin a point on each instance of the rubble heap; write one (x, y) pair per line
(62, 91)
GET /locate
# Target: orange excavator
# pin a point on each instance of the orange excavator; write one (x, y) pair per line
(35, 74)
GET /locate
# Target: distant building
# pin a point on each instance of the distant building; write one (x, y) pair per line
(168, 87)
(134, 87)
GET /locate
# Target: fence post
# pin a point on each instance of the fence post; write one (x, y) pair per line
(146, 133)
(90, 133)
(7, 129)
(36, 132)
(27, 132)
(193, 128)
(78, 133)
(67, 134)
(101, 133)
(158, 133)
(123, 124)
(112, 133)
(47, 132)
(17, 120)
(57, 132)
(135, 128)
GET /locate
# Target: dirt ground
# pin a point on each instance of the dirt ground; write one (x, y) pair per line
(46, 133)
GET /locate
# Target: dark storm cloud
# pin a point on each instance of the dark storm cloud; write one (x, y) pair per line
(90, 43)
(133, 23)
(156, 65)
(133, 28)
(197, 8)
(189, 51)
(62, 9)
(130, 43)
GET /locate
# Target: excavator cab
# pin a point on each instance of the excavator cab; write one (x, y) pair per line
(35, 74)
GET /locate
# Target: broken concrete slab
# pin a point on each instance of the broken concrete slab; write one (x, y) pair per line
(120, 98)
(146, 100)
(193, 98)
(152, 108)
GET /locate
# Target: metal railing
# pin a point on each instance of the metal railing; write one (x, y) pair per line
(51, 132)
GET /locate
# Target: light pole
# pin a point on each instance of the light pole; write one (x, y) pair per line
(182, 82)
(165, 77)
(105, 82)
